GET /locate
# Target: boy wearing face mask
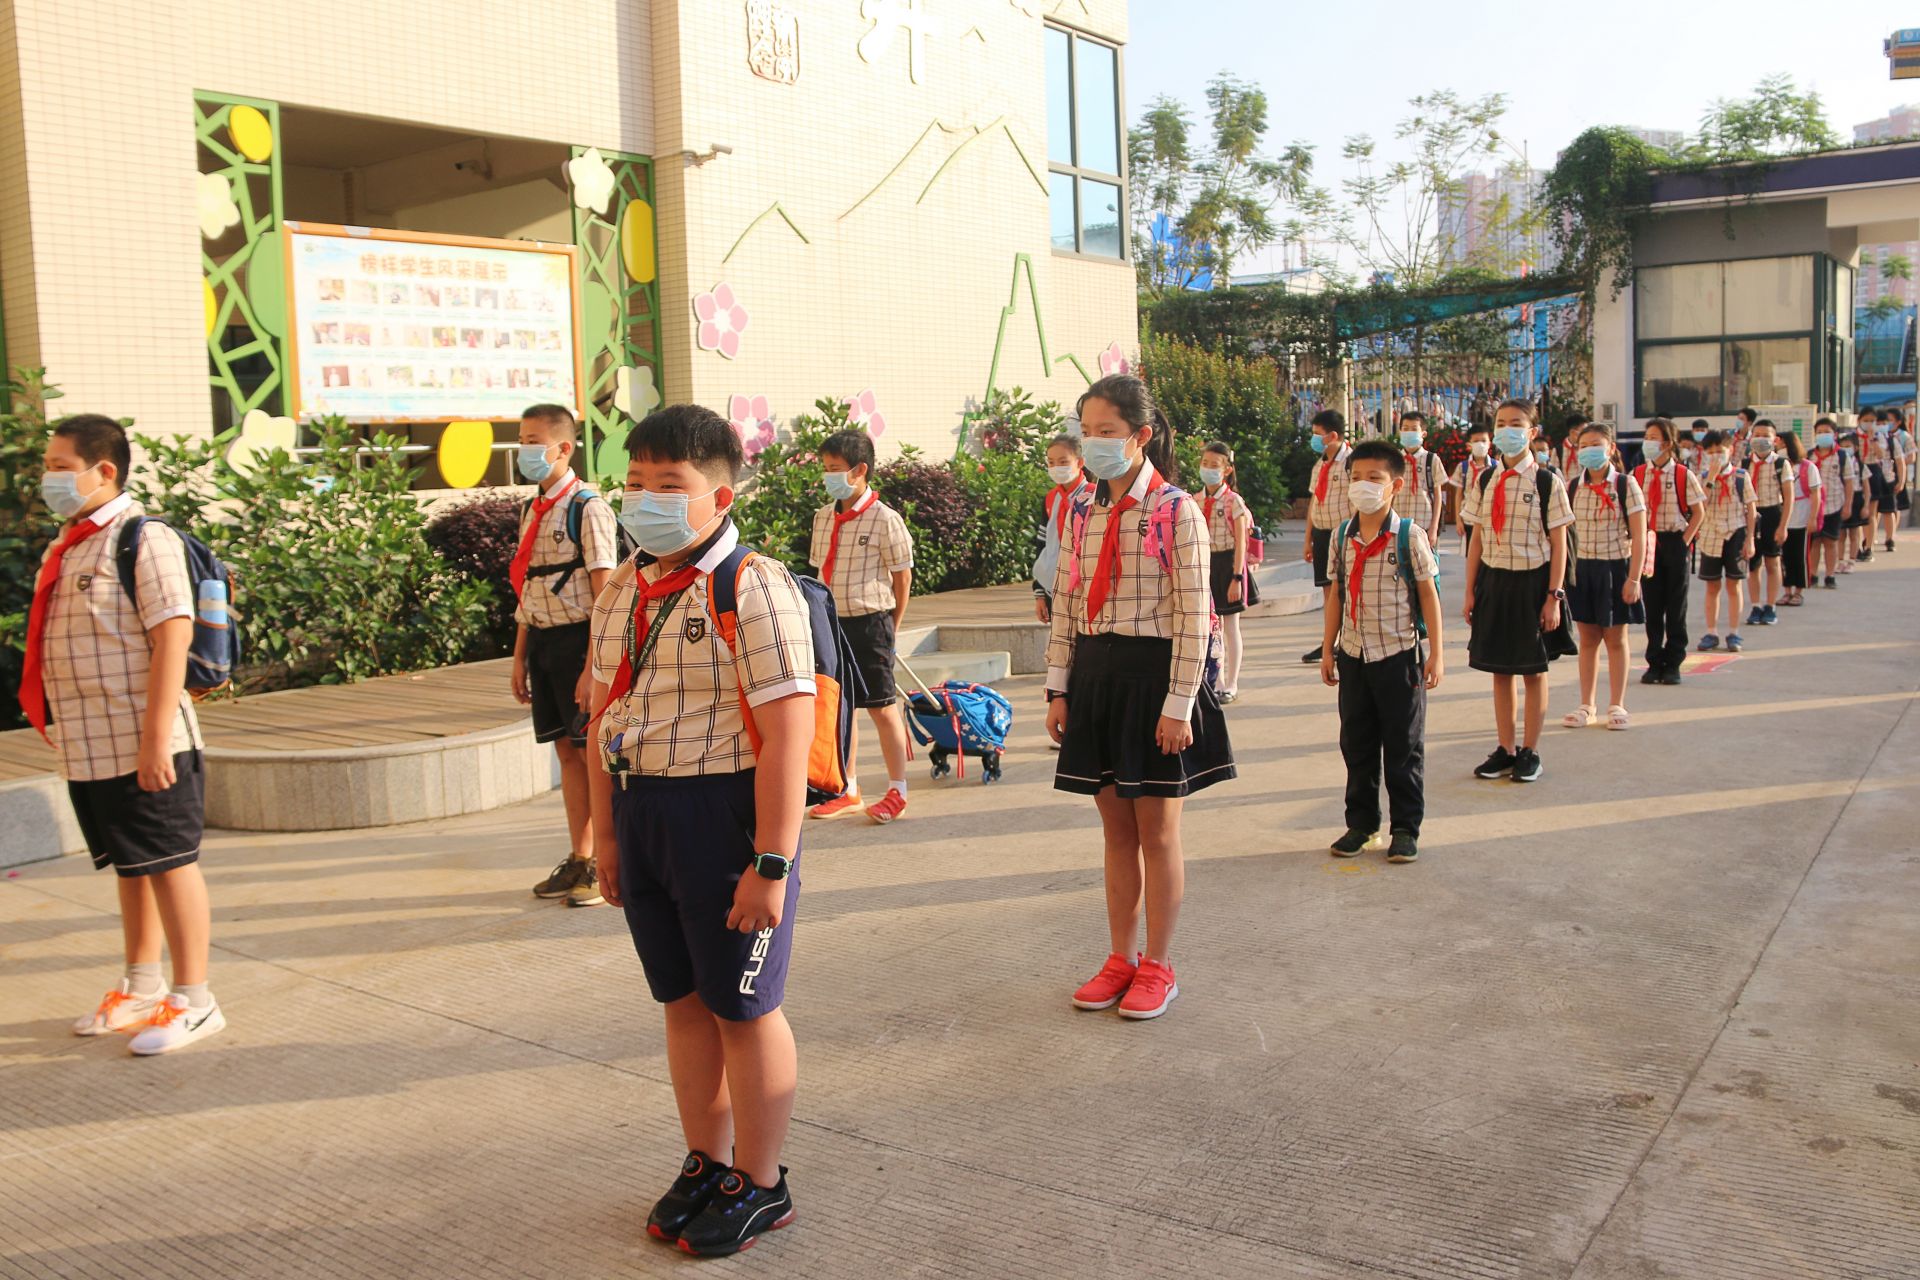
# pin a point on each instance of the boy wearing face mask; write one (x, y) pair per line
(1770, 474)
(705, 724)
(105, 682)
(1372, 640)
(1327, 504)
(865, 555)
(1418, 497)
(1726, 534)
(1466, 478)
(1676, 506)
(567, 546)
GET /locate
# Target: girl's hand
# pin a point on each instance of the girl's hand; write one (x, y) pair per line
(1173, 736)
(1550, 615)
(1233, 589)
(1306, 553)
(1467, 612)
(1057, 719)
(1631, 591)
(1040, 609)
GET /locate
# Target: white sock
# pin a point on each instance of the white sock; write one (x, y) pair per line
(144, 979)
(898, 784)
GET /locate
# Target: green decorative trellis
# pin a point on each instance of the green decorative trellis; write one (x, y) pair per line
(249, 307)
(620, 316)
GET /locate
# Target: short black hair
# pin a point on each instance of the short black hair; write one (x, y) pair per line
(98, 438)
(1713, 439)
(1330, 420)
(1068, 441)
(1752, 415)
(1870, 413)
(1414, 415)
(557, 416)
(1480, 429)
(689, 433)
(1824, 421)
(1379, 451)
(1701, 424)
(1575, 422)
(1764, 422)
(855, 448)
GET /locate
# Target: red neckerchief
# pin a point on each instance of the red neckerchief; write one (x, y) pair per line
(523, 558)
(840, 518)
(679, 580)
(1106, 572)
(33, 689)
(1603, 490)
(1207, 506)
(1361, 556)
(1500, 499)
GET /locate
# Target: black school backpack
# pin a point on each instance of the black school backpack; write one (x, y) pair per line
(215, 649)
(576, 507)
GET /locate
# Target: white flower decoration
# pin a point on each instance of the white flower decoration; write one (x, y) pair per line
(260, 434)
(592, 180)
(634, 392)
(217, 208)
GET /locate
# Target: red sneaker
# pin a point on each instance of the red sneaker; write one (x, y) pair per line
(1107, 986)
(1152, 991)
(889, 807)
(834, 808)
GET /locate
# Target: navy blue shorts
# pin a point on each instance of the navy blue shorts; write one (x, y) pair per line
(684, 844)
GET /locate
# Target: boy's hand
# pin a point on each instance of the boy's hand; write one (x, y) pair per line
(1306, 552)
(1329, 674)
(1467, 611)
(1057, 719)
(1436, 668)
(521, 693)
(606, 865)
(1173, 736)
(757, 902)
(155, 770)
(583, 691)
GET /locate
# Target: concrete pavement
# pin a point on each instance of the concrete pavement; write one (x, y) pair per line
(1651, 1017)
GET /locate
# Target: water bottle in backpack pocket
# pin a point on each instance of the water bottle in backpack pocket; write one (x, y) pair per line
(215, 649)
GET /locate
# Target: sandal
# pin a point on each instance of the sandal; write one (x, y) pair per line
(1617, 718)
(1579, 718)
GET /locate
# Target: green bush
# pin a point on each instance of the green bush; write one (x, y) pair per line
(26, 526)
(1210, 396)
(479, 538)
(333, 577)
(775, 510)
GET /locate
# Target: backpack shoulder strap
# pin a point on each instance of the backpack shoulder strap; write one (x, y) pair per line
(1543, 481)
(126, 556)
(723, 591)
(576, 508)
(1620, 485)
(1406, 574)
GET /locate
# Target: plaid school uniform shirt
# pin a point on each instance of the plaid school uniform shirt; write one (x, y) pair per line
(1147, 600)
(1665, 504)
(1522, 542)
(1599, 521)
(874, 546)
(1420, 495)
(682, 717)
(1221, 511)
(1377, 620)
(1466, 478)
(540, 605)
(97, 655)
(1836, 470)
(1327, 485)
(1728, 498)
(1764, 475)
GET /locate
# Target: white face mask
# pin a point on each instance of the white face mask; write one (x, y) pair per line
(1368, 495)
(1064, 475)
(1479, 449)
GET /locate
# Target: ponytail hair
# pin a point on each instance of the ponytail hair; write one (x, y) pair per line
(1134, 403)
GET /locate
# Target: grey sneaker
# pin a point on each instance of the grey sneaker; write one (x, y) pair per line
(587, 892)
(564, 877)
(1354, 843)
(1404, 848)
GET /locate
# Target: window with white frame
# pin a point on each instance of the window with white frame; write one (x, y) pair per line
(1085, 150)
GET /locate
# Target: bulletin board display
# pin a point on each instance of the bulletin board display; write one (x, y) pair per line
(410, 327)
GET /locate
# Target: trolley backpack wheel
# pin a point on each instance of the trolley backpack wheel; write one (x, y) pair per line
(990, 767)
(938, 757)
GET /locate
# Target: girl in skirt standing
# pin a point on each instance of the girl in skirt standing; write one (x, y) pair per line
(1610, 528)
(1129, 703)
(1229, 523)
(1516, 571)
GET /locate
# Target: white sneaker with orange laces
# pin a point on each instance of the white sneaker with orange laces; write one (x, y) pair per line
(834, 808)
(119, 1010)
(888, 807)
(175, 1026)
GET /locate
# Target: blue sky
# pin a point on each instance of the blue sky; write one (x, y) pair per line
(1331, 70)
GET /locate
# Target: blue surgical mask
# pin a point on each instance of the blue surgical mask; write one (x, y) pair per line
(1823, 440)
(534, 463)
(1211, 476)
(657, 522)
(1411, 439)
(839, 486)
(1106, 459)
(60, 490)
(1510, 442)
(1592, 457)
(1317, 443)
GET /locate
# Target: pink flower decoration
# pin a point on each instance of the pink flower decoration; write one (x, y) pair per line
(722, 320)
(864, 411)
(752, 418)
(1113, 360)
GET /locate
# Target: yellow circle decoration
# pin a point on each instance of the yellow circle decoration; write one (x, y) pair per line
(211, 303)
(636, 241)
(252, 135)
(466, 448)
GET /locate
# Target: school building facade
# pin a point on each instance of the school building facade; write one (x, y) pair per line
(898, 203)
(1741, 290)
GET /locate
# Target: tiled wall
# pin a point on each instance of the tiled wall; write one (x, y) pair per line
(100, 244)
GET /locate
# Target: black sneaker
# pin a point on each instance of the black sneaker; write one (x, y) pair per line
(699, 1178)
(1670, 676)
(1650, 676)
(1354, 843)
(1865, 555)
(1831, 584)
(1314, 656)
(1526, 765)
(1405, 847)
(569, 873)
(1498, 764)
(1757, 616)
(736, 1215)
